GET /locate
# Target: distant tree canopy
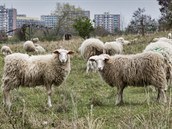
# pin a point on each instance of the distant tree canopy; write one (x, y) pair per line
(66, 17)
(141, 23)
(83, 26)
(166, 11)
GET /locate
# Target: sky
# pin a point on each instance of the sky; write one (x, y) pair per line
(36, 8)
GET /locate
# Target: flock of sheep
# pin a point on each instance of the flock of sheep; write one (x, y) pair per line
(151, 67)
(28, 46)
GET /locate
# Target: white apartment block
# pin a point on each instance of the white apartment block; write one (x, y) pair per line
(110, 22)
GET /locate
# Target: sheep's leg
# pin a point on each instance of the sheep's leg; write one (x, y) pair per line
(119, 97)
(6, 98)
(49, 91)
(161, 95)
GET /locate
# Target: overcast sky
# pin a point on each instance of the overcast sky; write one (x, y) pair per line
(35, 8)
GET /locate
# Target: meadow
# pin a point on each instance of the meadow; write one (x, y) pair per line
(84, 100)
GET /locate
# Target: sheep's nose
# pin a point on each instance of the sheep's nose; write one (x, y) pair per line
(63, 61)
(99, 68)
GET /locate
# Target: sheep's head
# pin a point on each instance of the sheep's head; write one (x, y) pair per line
(99, 60)
(91, 64)
(63, 54)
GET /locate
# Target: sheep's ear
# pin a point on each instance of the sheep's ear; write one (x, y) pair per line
(106, 59)
(70, 52)
(56, 52)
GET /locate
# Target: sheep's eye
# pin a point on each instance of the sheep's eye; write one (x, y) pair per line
(92, 60)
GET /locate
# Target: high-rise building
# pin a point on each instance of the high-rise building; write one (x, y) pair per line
(3, 18)
(12, 20)
(49, 20)
(110, 22)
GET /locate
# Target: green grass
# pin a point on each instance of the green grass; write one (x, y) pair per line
(85, 101)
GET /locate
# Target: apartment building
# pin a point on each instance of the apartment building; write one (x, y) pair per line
(49, 20)
(11, 20)
(3, 18)
(110, 22)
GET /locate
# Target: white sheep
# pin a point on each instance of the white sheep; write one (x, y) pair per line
(30, 71)
(163, 39)
(29, 46)
(161, 47)
(91, 47)
(149, 68)
(35, 40)
(91, 65)
(122, 41)
(6, 50)
(112, 48)
(39, 49)
(169, 36)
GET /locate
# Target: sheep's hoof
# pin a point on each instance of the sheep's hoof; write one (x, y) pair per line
(49, 105)
(119, 103)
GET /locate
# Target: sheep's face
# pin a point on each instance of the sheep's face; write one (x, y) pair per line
(100, 61)
(91, 64)
(63, 54)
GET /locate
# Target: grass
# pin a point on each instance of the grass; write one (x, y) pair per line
(85, 101)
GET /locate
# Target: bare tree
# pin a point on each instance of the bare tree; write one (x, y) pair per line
(66, 15)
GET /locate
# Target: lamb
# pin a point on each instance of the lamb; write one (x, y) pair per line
(91, 47)
(39, 49)
(142, 69)
(112, 48)
(91, 66)
(169, 35)
(30, 71)
(6, 50)
(29, 46)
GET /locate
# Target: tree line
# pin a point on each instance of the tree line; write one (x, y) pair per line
(140, 23)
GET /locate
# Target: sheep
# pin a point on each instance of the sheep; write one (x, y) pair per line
(39, 49)
(90, 47)
(162, 39)
(6, 50)
(30, 71)
(161, 47)
(35, 40)
(141, 69)
(169, 35)
(112, 48)
(122, 41)
(29, 46)
(91, 66)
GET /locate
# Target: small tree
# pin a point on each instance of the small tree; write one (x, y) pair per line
(101, 31)
(141, 23)
(83, 26)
